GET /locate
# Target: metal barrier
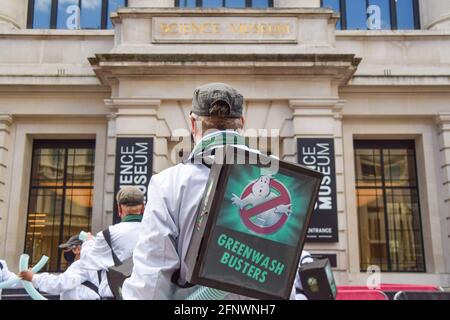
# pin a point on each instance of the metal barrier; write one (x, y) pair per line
(21, 294)
(414, 295)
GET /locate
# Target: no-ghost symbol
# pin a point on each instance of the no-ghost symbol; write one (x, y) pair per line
(262, 210)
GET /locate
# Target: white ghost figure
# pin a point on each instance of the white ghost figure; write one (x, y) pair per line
(260, 194)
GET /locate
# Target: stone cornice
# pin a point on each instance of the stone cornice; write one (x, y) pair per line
(55, 33)
(368, 35)
(221, 12)
(198, 58)
(338, 67)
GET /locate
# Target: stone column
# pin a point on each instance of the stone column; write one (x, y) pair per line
(132, 118)
(13, 14)
(435, 14)
(443, 123)
(296, 3)
(5, 145)
(151, 3)
(321, 118)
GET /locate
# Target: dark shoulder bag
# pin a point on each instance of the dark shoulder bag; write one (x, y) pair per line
(118, 273)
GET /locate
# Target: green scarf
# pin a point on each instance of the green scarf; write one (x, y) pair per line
(217, 139)
(133, 218)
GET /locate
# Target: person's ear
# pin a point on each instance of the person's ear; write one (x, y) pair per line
(243, 121)
(119, 210)
(193, 126)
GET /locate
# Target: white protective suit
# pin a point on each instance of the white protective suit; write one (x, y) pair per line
(96, 254)
(304, 259)
(5, 275)
(69, 285)
(172, 202)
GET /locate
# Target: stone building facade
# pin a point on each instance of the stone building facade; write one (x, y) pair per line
(300, 77)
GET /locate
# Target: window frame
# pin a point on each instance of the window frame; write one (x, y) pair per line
(392, 144)
(199, 4)
(54, 14)
(393, 13)
(56, 144)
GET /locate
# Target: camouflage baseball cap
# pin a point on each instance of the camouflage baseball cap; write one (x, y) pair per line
(206, 96)
(73, 241)
(130, 196)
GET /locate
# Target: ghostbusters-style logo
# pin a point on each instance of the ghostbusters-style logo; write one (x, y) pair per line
(262, 210)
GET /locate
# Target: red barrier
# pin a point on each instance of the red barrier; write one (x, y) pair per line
(361, 295)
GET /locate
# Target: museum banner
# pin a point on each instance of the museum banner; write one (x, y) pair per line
(318, 154)
(134, 165)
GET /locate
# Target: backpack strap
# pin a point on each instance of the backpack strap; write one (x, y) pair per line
(91, 286)
(99, 275)
(107, 236)
(176, 276)
(1, 266)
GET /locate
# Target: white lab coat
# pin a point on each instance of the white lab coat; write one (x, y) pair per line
(304, 259)
(5, 275)
(68, 284)
(96, 254)
(172, 201)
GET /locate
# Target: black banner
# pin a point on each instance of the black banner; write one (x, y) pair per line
(134, 165)
(318, 154)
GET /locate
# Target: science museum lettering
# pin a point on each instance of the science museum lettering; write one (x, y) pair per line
(216, 28)
(227, 29)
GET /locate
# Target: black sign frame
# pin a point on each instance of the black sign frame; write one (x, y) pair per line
(208, 214)
(130, 148)
(322, 218)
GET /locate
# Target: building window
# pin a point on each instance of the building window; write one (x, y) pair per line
(224, 3)
(390, 232)
(375, 14)
(72, 14)
(60, 200)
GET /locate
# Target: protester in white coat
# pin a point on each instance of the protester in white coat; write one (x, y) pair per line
(96, 254)
(74, 283)
(174, 196)
(5, 275)
(299, 292)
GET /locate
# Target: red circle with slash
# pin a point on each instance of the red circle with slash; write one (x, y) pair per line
(283, 199)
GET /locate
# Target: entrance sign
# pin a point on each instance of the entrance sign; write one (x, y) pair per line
(251, 225)
(134, 165)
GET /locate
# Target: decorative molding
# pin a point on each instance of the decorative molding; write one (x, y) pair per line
(314, 102)
(5, 122)
(6, 119)
(317, 107)
(132, 104)
(443, 122)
